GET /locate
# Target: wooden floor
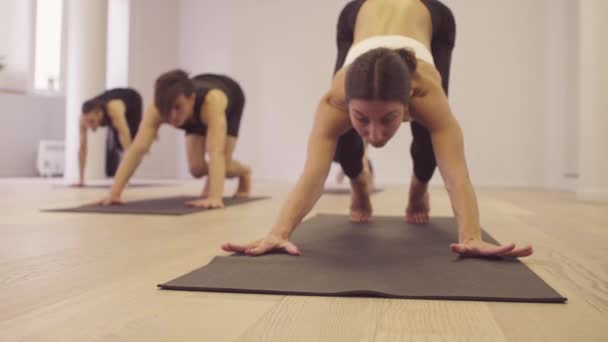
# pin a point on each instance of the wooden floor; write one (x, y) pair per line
(84, 277)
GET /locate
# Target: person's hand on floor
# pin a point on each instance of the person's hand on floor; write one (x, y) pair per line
(479, 248)
(259, 247)
(111, 200)
(207, 203)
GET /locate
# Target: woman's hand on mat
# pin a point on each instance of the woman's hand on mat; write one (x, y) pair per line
(259, 247)
(207, 203)
(111, 200)
(479, 248)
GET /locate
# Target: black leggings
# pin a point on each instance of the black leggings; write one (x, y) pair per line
(114, 149)
(113, 153)
(133, 114)
(350, 148)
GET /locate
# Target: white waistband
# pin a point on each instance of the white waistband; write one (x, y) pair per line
(391, 42)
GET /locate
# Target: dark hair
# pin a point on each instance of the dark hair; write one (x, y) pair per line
(381, 74)
(168, 87)
(91, 105)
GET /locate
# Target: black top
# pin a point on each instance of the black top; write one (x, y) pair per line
(133, 107)
(203, 84)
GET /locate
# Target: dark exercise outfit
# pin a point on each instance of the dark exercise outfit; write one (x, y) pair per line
(133, 111)
(350, 148)
(236, 102)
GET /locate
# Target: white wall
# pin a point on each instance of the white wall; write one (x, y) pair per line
(117, 51)
(152, 51)
(593, 110)
(26, 119)
(514, 89)
(86, 24)
(15, 31)
(561, 97)
(210, 41)
(282, 60)
(513, 83)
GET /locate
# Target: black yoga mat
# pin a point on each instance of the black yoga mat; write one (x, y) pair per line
(386, 258)
(159, 206)
(108, 186)
(345, 191)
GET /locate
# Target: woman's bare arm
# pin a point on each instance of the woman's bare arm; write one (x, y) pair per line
(141, 144)
(118, 116)
(433, 111)
(331, 121)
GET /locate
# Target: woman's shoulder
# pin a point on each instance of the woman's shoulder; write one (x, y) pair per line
(336, 95)
(425, 78)
(115, 106)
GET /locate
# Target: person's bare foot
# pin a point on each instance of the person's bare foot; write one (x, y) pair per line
(244, 187)
(418, 208)
(360, 205)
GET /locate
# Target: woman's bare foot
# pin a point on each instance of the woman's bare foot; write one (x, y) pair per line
(244, 188)
(418, 208)
(360, 205)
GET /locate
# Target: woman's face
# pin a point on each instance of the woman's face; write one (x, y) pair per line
(376, 121)
(181, 110)
(92, 120)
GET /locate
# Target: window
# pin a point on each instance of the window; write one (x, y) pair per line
(48, 43)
